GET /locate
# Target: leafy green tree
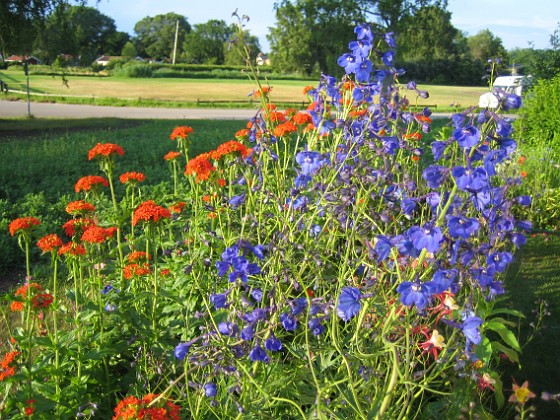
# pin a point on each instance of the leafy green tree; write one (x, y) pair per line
(546, 63)
(20, 21)
(80, 31)
(155, 36)
(205, 43)
(428, 34)
(234, 56)
(129, 50)
(485, 46)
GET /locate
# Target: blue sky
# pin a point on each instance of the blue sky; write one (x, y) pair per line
(518, 23)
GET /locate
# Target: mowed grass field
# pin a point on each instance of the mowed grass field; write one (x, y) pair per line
(193, 90)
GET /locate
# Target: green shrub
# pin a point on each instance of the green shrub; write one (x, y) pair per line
(134, 69)
(540, 117)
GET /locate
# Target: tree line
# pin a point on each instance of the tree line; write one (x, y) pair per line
(307, 39)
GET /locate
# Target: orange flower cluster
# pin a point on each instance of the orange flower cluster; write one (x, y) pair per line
(98, 234)
(134, 408)
(177, 207)
(181, 132)
(231, 147)
(86, 183)
(72, 248)
(22, 224)
(172, 155)
(137, 256)
(29, 408)
(200, 167)
(49, 243)
(132, 270)
(416, 135)
(105, 150)
(32, 292)
(284, 129)
(302, 118)
(307, 89)
(264, 91)
(276, 116)
(74, 226)
(6, 370)
(132, 177)
(149, 211)
(79, 207)
(242, 134)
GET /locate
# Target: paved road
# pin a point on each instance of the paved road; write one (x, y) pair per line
(46, 110)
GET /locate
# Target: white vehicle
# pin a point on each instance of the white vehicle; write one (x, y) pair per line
(507, 84)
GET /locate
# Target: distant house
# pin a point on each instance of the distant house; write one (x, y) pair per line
(104, 59)
(262, 59)
(21, 58)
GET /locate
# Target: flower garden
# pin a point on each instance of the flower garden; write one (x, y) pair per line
(324, 264)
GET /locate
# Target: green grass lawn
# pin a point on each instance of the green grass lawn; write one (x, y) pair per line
(174, 91)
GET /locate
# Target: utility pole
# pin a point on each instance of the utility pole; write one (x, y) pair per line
(176, 38)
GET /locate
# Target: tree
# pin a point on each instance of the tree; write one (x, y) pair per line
(546, 63)
(155, 36)
(485, 46)
(428, 34)
(81, 31)
(129, 50)
(235, 57)
(311, 34)
(205, 43)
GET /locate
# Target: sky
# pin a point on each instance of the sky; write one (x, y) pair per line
(518, 23)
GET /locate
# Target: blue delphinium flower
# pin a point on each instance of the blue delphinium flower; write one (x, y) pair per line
(210, 389)
(471, 180)
(435, 175)
(461, 226)
(442, 280)
(288, 322)
(360, 48)
(227, 328)
(349, 303)
(414, 293)
(236, 201)
(363, 32)
(242, 268)
(181, 350)
(382, 247)
(315, 326)
(247, 333)
(471, 329)
(499, 261)
(258, 354)
(427, 236)
(298, 305)
(467, 137)
(219, 300)
(272, 343)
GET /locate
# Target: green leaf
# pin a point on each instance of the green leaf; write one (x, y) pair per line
(510, 353)
(484, 350)
(506, 335)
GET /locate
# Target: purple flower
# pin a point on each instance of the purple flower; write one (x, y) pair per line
(435, 175)
(349, 303)
(257, 354)
(462, 227)
(360, 48)
(390, 39)
(427, 236)
(257, 294)
(181, 350)
(382, 247)
(298, 305)
(272, 343)
(471, 330)
(388, 58)
(363, 32)
(471, 180)
(288, 322)
(349, 62)
(499, 260)
(363, 71)
(315, 326)
(310, 161)
(227, 328)
(247, 333)
(210, 389)
(414, 293)
(442, 280)
(242, 268)
(467, 137)
(511, 101)
(219, 300)
(236, 201)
